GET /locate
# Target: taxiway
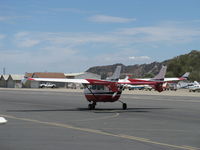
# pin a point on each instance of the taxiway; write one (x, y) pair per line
(60, 120)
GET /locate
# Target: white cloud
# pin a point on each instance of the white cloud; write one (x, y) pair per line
(110, 19)
(3, 18)
(10, 19)
(71, 10)
(2, 36)
(162, 33)
(46, 59)
(25, 39)
(21, 34)
(88, 49)
(28, 43)
(123, 38)
(139, 58)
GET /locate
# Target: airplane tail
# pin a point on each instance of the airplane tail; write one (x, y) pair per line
(161, 74)
(24, 81)
(186, 75)
(116, 74)
(196, 83)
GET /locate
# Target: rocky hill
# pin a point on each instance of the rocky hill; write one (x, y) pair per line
(177, 66)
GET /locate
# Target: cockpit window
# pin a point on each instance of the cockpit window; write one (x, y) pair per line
(96, 87)
(100, 87)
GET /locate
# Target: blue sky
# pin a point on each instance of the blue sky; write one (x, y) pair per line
(71, 36)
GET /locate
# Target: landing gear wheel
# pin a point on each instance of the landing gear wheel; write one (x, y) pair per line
(124, 106)
(91, 106)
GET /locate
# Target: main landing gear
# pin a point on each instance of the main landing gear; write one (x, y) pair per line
(124, 105)
(92, 106)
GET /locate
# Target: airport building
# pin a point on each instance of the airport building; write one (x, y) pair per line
(14, 81)
(11, 81)
(3, 80)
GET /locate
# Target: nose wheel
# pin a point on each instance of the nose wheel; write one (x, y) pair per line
(91, 106)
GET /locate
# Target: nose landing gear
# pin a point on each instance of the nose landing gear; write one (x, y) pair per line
(92, 106)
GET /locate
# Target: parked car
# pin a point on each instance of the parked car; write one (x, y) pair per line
(47, 85)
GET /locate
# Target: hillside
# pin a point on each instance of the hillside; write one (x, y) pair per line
(185, 63)
(177, 66)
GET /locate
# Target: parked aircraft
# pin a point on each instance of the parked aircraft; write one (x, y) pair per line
(160, 75)
(158, 78)
(176, 79)
(138, 87)
(195, 87)
(108, 90)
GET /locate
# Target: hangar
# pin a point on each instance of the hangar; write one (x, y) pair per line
(14, 81)
(3, 80)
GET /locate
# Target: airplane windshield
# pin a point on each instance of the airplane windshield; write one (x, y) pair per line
(96, 87)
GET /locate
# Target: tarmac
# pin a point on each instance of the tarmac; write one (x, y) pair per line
(58, 119)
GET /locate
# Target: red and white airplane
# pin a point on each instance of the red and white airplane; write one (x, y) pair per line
(159, 77)
(108, 90)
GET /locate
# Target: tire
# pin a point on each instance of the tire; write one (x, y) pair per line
(124, 106)
(91, 106)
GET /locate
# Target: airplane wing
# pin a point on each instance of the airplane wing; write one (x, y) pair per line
(110, 84)
(83, 81)
(134, 82)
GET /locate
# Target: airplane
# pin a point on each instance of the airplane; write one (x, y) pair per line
(195, 87)
(134, 87)
(168, 80)
(138, 87)
(158, 78)
(175, 79)
(108, 90)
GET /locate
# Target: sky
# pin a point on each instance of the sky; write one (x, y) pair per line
(73, 35)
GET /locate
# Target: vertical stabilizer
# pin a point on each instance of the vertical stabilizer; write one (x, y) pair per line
(186, 75)
(196, 83)
(161, 74)
(116, 74)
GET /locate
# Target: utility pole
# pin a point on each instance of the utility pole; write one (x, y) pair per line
(4, 70)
